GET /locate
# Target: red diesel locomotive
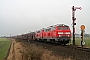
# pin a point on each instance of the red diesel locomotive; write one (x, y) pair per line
(59, 33)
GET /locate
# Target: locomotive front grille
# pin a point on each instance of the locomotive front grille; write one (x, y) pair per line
(64, 38)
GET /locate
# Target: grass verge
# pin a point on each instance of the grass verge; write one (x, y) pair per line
(4, 46)
(78, 41)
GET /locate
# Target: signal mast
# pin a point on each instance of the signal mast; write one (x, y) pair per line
(73, 18)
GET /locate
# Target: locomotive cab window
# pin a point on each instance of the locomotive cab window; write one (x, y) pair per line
(45, 30)
(49, 29)
(63, 28)
(60, 28)
(53, 28)
(66, 28)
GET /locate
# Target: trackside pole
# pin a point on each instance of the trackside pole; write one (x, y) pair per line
(73, 18)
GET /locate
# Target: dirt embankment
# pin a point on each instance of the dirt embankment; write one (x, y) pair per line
(14, 53)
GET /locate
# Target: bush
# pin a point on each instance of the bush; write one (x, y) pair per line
(35, 52)
(32, 52)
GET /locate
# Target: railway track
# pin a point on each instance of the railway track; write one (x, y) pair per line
(77, 47)
(66, 50)
(67, 46)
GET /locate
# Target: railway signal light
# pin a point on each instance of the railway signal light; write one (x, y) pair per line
(74, 23)
(74, 18)
(78, 8)
(82, 27)
(73, 8)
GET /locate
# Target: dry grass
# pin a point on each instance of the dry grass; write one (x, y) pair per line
(34, 52)
(14, 53)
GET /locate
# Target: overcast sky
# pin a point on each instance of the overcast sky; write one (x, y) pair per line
(23, 16)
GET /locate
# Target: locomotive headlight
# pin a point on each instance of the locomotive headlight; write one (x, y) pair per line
(59, 35)
(67, 32)
(68, 35)
(60, 32)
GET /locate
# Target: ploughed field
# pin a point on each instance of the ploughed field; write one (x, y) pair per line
(66, 51)
(4, 47)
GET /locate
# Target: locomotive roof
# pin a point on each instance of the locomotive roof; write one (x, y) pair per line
(58, 25)
(51, 27)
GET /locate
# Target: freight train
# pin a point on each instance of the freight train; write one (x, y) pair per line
(59, 33)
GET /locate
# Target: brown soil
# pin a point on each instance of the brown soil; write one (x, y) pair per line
(14, 53)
